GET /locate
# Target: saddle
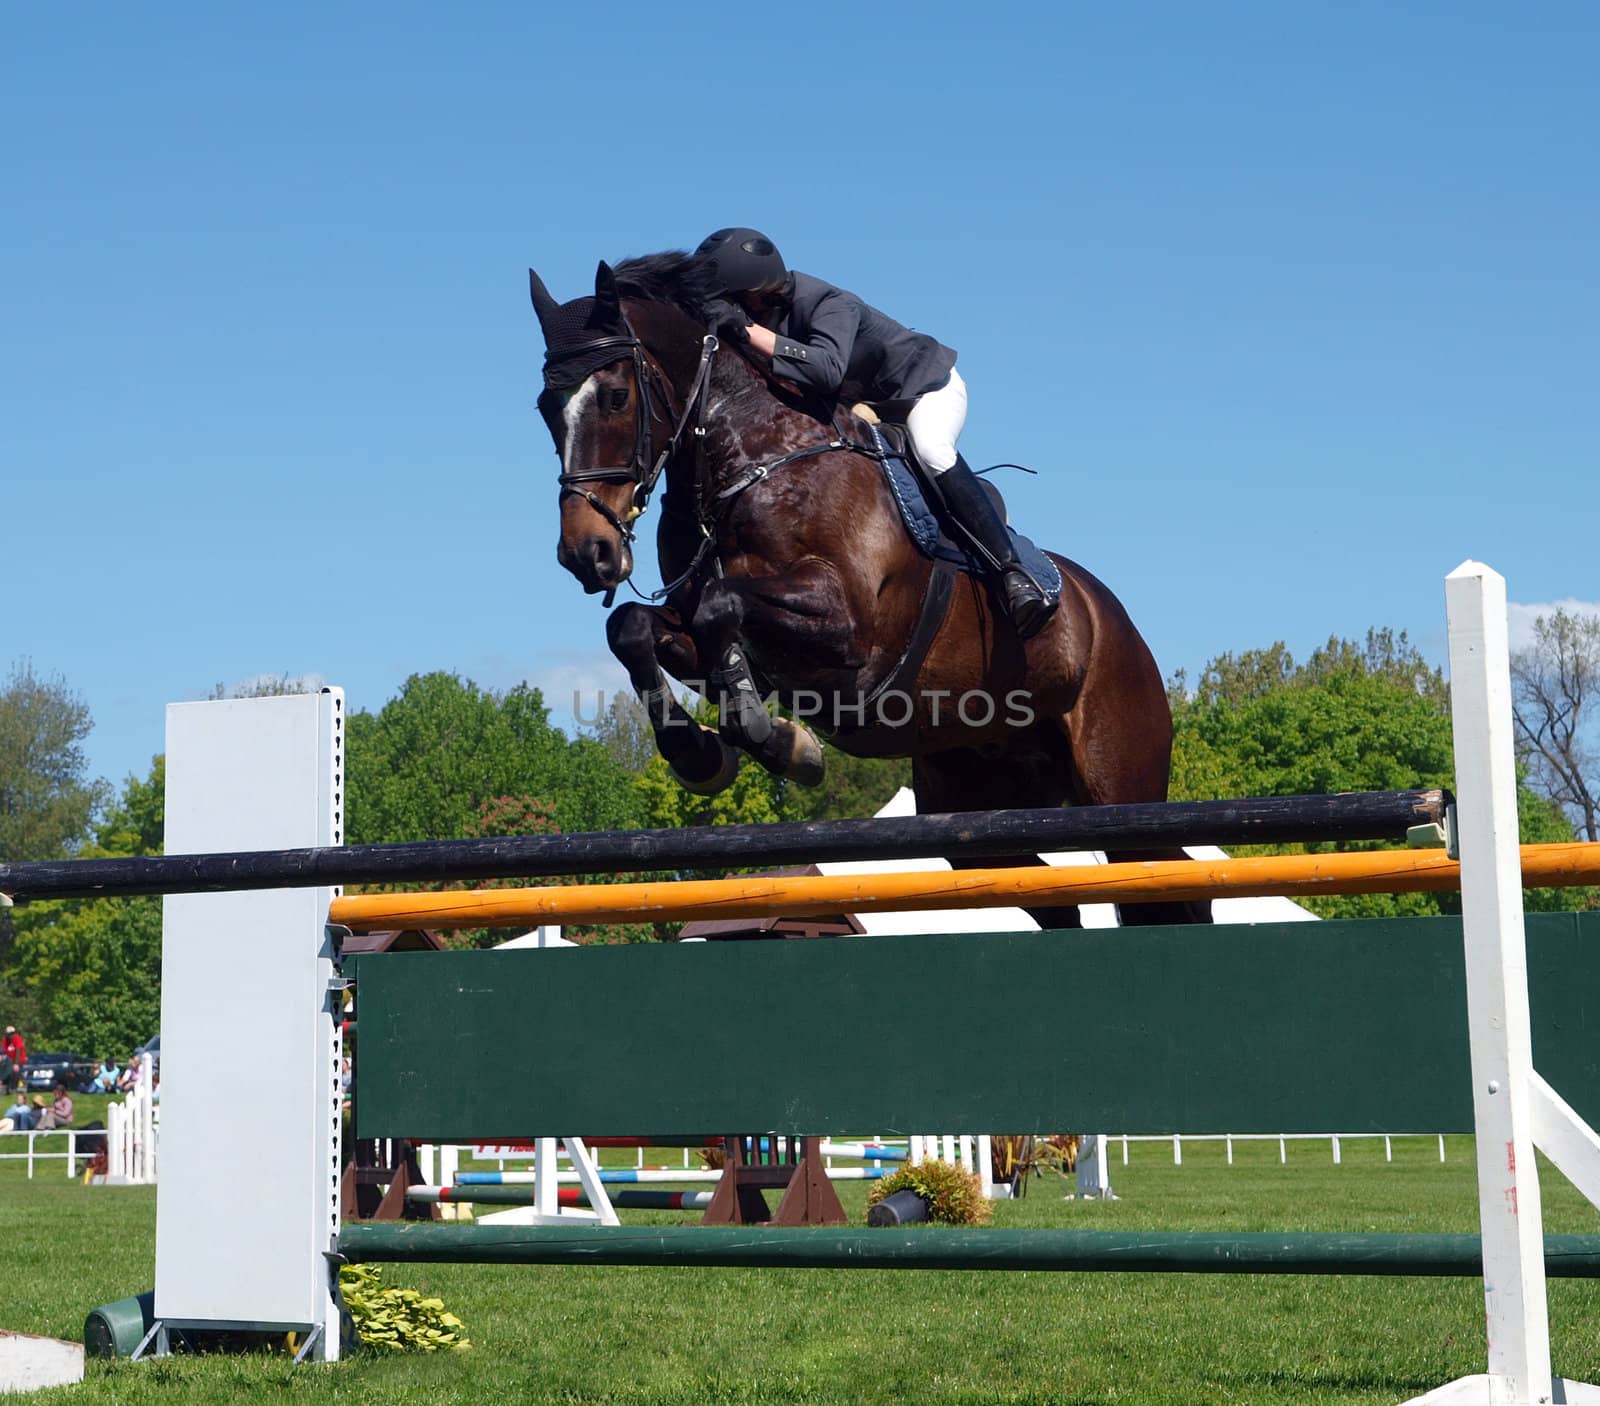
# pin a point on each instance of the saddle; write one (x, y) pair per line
(915, 496)
(910, 486)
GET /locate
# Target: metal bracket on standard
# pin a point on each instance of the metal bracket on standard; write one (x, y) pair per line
(1452, 833)
(1429, 836)
(158, 1332)
(312, 1339)
(338, 935)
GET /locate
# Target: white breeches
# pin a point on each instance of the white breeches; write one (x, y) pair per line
(935, 423)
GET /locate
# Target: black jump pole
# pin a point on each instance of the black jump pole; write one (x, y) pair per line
(999, 835)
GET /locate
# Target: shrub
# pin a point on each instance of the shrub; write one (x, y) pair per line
(397, 1320)
(954, 1196)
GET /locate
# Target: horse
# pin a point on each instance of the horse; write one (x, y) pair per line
(790, 574)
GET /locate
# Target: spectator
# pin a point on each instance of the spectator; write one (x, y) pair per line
(132, 1076)
(155, 1084)
(19, 1117)
(59, 1114)
(13, 1055)
(105, 1079)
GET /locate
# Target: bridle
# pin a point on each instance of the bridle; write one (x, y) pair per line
(644, 472)
(642, 469)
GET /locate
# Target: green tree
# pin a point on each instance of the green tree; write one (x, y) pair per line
(95, 968)
(512, 816)
(755, 798)
(422, 765)
(1353, 717)
(1554, 686)
(624, 731)
(91, 969)
(854, 787)
(135, 823)
(46, 800)
(589, 791)
(1349, 719)
(264, 686)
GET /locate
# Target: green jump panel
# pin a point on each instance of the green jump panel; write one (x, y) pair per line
(930, 1247)
(1355, 1026)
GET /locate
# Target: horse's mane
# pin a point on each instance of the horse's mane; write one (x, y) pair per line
(673, 277)
(682, 281)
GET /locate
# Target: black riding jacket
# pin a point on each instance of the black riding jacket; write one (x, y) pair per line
(831, 342)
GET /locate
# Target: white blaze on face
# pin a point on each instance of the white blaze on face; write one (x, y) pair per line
(578, 405)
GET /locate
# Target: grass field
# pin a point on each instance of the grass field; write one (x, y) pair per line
(706, 1336)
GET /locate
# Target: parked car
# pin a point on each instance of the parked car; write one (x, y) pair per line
(151, 1050)
(43, 1072)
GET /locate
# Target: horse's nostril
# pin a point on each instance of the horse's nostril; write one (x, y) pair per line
(604, 561)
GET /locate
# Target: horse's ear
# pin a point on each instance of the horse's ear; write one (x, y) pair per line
(607, 303)
(543, 303)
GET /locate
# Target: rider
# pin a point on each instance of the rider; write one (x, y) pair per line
(830, 341)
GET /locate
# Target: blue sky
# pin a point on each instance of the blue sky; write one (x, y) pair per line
(1294, 306)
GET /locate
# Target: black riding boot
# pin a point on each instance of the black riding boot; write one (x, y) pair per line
(972, 507)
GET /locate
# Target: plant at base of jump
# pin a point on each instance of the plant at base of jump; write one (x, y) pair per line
(1015, 1158)
(397, 1320)
(954, 1196)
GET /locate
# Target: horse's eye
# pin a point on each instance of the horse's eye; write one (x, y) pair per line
(618, 401)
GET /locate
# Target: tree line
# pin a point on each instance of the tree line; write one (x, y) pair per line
(446, 758)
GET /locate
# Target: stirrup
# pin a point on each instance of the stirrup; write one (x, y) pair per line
(1027, 605)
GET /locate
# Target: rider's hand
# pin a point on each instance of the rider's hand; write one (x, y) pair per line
(727, 319)
(763, 340)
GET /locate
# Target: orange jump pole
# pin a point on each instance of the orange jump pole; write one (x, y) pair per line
(1288, 875)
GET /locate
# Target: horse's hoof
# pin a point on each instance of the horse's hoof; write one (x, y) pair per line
(792, 752)
(722, 773)
(805, 766)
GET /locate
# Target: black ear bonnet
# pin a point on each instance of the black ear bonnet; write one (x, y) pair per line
(581, 336)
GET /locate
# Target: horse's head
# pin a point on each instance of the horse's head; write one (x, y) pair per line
(604, 419)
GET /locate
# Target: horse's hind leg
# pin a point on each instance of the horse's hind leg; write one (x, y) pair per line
(1121, 756)
(967, 779)
(644, 638)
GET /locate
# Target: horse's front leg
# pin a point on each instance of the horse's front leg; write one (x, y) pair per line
(776, 612)
(644, 638)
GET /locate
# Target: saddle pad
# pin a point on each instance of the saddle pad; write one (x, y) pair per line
(923, 525)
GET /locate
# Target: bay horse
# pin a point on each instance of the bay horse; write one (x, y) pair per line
(790, 572)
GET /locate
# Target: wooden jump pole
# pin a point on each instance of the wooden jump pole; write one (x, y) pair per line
(999, 835)
(1289, 875)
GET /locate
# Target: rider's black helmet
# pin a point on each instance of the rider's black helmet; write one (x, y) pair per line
(742, 260)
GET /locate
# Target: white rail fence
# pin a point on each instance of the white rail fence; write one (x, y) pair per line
(68, 1153)
(132, 1141)
(1176, 1141)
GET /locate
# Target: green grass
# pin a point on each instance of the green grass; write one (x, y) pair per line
(705, 1336)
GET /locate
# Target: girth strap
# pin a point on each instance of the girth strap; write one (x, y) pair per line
(930, 621)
